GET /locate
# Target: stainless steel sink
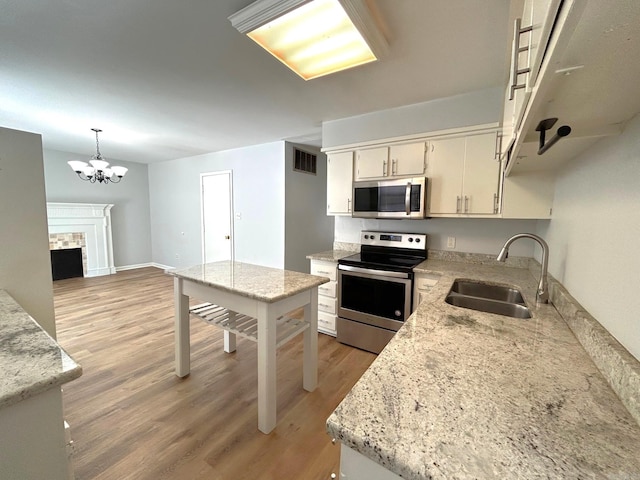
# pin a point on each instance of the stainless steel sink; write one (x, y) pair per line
(484, 297)
(485, 290)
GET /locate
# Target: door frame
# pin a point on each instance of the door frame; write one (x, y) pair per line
(231, 211)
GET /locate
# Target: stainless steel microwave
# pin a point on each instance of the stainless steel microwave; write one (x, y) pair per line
(398, 198)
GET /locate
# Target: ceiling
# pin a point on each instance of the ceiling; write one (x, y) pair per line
(166, 79)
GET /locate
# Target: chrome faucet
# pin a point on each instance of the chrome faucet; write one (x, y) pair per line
(542, 295)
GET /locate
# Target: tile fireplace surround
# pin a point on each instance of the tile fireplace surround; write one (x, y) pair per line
(93, 221)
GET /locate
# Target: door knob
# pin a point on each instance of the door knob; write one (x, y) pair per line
(227, 237)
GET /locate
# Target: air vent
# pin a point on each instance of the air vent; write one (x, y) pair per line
(304, 161)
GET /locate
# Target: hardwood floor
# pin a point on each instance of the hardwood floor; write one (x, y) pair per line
(132, 417)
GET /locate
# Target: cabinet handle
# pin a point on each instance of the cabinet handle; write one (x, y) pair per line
(348, 204)
(458, 203)
(496, 155)
(515, 71)
(495, 203)
(394, 166)
(407, 198)
(466, 204)
(384, 168)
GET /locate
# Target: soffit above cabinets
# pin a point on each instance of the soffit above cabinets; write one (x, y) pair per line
(591, 85)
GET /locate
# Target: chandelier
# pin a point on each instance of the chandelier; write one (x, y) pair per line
(97, 170)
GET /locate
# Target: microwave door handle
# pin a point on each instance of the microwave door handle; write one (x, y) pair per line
(407, 199)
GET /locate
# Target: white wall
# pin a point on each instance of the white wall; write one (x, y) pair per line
(258, 197)
(130, 213)
(25, 262)
(594, 235)
(475, 108)
(308, 229)
(481, 235)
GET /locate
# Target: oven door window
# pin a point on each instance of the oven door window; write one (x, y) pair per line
(373, 296)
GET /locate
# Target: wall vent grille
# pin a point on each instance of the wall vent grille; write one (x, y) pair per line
(304, 161)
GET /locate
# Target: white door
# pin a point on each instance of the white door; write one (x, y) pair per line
(217, 216)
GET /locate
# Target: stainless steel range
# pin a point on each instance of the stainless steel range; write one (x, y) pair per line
(375, 288)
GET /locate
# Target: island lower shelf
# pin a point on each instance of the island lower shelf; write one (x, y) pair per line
(244, 326)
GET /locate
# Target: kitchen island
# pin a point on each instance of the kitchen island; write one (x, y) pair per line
(462, 394)
(252, 301)
(34, 367)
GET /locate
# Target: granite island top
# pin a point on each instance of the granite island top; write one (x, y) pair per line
(461, 394)
(31, 361)
(253, 281)
(331, 255)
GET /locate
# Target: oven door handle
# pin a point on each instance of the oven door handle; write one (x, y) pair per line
(407, 199)
(381, 273)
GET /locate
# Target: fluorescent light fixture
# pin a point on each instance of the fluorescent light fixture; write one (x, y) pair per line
(313, 37)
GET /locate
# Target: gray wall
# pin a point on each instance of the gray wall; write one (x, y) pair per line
(258, 202)
(25, 262)
(481, 235)
(595, 230)
(308, 229)
(130, 213)
(475, 108)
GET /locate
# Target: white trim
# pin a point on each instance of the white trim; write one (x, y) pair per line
(143, 265)
(92, 219)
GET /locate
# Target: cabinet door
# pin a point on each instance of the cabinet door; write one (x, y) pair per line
(481, 175)
(372, 163)
(407, 159)
(339, 183)
(445, 163)
(542, 14)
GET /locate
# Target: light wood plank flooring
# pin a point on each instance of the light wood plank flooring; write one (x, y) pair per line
(131, 417)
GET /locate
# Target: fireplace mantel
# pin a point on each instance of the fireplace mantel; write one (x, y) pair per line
(92, 219)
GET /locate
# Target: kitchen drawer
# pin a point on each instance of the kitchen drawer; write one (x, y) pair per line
(327, 304)
(324, 269)
(327, 289)
(327, 322)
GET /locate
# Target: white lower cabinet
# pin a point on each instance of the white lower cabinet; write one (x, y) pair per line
(355, 466)
(422, 284)
(327, 295)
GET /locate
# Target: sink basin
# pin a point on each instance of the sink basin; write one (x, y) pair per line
(485, 290)
(484, 297)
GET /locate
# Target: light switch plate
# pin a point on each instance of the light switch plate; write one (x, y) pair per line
(451, 242)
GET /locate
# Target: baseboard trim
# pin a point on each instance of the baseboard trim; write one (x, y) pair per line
(143, 265)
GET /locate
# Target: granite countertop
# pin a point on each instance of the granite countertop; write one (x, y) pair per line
(253, 281)
(31, 361)
(330, 255)
(461, 394)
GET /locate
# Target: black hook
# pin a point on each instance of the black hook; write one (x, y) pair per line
(545, 125)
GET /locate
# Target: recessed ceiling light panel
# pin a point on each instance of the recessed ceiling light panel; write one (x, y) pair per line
(313, 38)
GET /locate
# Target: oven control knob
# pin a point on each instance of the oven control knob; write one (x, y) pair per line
(417, 240)
(410, 239)
(366, 237)
(373, 237)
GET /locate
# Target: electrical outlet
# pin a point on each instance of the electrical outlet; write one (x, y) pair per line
(451, 242)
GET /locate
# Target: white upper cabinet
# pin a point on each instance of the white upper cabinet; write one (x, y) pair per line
(445, 168)
(339, 183)
(395, 160)
(531, 32)
(408, 159)
(372, 163)
(464, 175)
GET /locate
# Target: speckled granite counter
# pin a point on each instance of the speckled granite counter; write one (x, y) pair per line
(253, 281)
(330, 255)
(31, 361)
(460, 394)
